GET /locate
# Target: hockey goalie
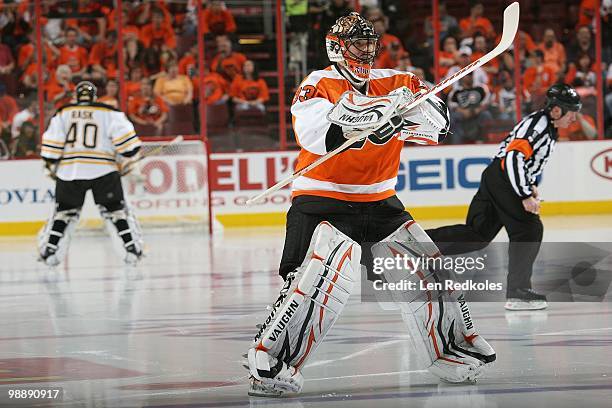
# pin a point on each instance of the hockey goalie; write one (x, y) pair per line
(84, 147)
(350, 200)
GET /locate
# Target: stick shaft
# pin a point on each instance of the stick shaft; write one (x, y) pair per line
(152, 152)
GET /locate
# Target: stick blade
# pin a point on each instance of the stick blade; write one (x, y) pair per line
(511, 22)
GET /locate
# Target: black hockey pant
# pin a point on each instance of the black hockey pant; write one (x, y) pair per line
(363, 222)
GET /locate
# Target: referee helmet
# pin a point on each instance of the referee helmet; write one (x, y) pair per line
(563, 96)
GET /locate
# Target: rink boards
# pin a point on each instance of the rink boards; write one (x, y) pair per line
(433, 182)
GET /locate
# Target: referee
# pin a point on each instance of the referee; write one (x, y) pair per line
(508, 197)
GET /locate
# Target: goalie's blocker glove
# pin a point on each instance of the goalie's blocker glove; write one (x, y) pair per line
(385, 116)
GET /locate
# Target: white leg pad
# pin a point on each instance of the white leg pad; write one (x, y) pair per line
(125, 233)
(439, 322)
(54, 237)
(309, 303)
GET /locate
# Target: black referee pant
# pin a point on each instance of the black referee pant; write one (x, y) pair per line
(494, 206)
(367, 222)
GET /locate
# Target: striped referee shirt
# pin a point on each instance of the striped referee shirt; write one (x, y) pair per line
(526, 150)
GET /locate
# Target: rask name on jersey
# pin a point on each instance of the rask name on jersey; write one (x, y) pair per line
(86, 139)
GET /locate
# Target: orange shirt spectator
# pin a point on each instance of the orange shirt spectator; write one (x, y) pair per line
(526, 41)
(148, 109)
(26, 54)
(470, 26)
(554, 51)
(475, 22)
(539, 77)
(586, 12)
(187, 64)
(92, 25)
(582, 76)
(129, 29)
(494, 63)
(583, 128)
(217, 19)
(142, 14)
(151, 35)
(132, 86)
(448, 55)
(174, 88)
(230, 65)
(481, 48)
(158, 33)
(391, 52)
(215, 88)
(8, 107)
(249, 89)
(72, 54)
(60, 88)
(103, 57)
(31, 70)
(227, 62)
(111, 94)
(391, 48)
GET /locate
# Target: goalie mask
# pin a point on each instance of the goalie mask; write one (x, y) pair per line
(85, 92)
(353, 43)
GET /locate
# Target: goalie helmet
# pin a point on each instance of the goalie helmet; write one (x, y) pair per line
(563, 96)
(353, 42)
(85, 92)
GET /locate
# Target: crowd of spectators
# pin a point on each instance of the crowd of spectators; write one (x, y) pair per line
(161, 87)
(160, 55)
(555, 51)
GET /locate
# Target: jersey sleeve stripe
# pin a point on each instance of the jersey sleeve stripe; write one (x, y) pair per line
(88, 157)
(49, 154)
(51, 147)
(129, 145)
(87, 161)
(48, 141)
(126, 141)
(121, 139)
(89, 153)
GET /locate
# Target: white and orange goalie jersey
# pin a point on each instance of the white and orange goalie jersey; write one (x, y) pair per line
(86, 138)
(365, 172)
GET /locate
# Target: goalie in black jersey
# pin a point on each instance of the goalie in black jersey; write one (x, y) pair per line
(82, 149)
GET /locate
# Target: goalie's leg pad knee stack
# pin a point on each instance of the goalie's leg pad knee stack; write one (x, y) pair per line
(310, 301)
(125, 232)
(54, 237)
(440, 324)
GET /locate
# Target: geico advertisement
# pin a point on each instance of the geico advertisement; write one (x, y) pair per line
(428, 176)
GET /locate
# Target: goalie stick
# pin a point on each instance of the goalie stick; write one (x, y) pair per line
(129, 165)
(510, 27)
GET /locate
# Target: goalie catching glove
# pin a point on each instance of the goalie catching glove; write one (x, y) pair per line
(386, 116)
